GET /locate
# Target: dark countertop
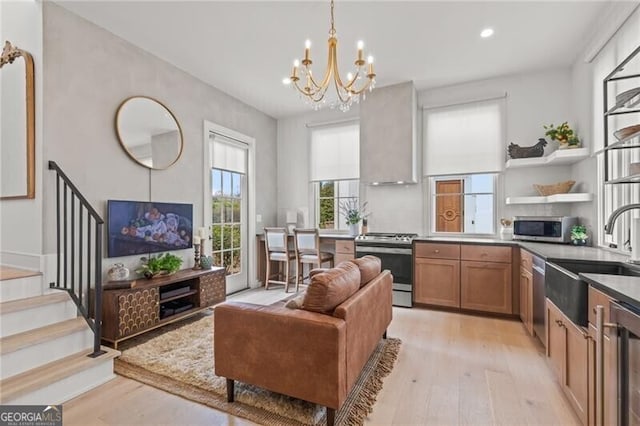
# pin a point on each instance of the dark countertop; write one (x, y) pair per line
(619, 287)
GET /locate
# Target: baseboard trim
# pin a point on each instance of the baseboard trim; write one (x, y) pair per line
(20, 260)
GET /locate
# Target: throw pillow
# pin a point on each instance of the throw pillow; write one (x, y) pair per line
(296, 302)
(369, 266)
(330, 288)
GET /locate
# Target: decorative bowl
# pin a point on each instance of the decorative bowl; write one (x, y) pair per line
(556, 188)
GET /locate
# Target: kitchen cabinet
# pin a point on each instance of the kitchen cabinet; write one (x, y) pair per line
(344, 250)
(568, 349)
(526, 290)
(467, 276)
(388, 135)
(485, 278)
(610, 384)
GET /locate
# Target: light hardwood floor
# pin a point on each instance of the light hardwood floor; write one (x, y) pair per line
(452, 369)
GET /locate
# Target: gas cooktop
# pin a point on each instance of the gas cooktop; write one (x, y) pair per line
(384, 237)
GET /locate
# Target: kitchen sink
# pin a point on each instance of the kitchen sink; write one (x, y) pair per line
(569, 292)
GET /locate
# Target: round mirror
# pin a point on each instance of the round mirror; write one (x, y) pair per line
(149, 132)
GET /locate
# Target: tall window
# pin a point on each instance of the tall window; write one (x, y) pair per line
(463, 204)
(226, 219)
(335, 170)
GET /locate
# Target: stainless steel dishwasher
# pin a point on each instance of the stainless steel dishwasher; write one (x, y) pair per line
(539, 298)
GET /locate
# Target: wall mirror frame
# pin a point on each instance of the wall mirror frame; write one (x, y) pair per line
(149, 132)
(10, 54)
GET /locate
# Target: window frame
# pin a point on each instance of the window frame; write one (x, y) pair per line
(316, 204)
(431, 205)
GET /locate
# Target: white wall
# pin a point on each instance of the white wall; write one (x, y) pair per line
(88, 73)
(21, 220)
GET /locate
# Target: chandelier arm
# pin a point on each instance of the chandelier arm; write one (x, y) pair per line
(343, 100)
(311, 94)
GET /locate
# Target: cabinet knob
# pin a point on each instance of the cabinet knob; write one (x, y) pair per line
(436, 251)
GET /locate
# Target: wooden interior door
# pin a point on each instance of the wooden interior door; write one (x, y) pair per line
(449, 207)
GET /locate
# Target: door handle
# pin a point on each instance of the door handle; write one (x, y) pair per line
(600, 326)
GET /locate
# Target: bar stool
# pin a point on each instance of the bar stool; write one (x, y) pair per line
(307, 243)
(277, 250)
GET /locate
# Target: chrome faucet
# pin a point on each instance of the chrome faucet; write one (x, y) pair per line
(608, 228)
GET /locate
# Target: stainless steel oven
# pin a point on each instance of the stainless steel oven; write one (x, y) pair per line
(396, 253)
(626, 320)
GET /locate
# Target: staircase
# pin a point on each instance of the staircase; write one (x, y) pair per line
(45, 347)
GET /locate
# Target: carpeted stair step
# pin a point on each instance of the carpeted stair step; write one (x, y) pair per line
(24, 351)
(18, 316)
(60, 380)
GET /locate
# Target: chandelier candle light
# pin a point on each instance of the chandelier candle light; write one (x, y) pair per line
(347, 92)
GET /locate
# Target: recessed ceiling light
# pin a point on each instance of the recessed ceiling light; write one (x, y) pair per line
(487, 32)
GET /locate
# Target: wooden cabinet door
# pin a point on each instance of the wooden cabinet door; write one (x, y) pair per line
(212, 288)
(449, 206)
(610, 379)
(437, 282)
(526, 300)
(576, 369)
(556, 340)
(486, 286)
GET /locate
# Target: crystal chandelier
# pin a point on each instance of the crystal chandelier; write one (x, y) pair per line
(349, 91)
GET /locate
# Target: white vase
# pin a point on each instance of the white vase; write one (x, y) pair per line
(354, 229)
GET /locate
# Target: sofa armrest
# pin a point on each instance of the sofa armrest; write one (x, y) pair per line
(290, 351)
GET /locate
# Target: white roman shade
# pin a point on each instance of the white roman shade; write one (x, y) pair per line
(229, 154)
(335, 152)
(464, 138)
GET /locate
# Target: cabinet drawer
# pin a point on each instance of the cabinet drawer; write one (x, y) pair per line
(346, 247)
(486, 253)
(526, 259)
(438, 251)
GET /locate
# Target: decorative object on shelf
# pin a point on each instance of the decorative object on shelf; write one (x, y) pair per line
(506, 229)
(579, 235)
(206, 262)
(556, 188)
(118, 272)
(162, 265)
(517, 151)
(365, 226)
(564, 134)
(627, 133)
(628, 99)
(196, 252)
(634, 169)
(353, 214)
(348, 92)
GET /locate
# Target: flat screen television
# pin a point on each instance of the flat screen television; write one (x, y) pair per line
(140, 227)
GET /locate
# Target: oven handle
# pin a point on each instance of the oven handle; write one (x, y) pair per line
(600, 326)
(390, 250)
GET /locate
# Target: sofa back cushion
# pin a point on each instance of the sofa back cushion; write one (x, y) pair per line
(330, 288)
(369, 266)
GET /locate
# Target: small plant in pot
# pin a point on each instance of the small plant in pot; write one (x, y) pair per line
(164, 264)
(564, 134)
(579, 235)
(353, 214)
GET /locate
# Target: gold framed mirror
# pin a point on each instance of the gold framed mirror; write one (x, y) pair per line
(149, 132)
(18, 126)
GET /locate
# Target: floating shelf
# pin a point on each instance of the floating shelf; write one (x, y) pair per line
(556, 158)
(626, 179)
(557, 198)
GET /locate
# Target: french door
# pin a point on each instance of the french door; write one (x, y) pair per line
(229, 206)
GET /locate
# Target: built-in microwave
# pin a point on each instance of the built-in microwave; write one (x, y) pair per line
(549, 229)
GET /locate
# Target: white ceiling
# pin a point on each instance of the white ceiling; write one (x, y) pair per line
(246, 48)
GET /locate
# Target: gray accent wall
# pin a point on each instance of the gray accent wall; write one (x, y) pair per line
(88, 72)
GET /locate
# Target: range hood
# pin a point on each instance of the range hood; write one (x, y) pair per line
(388, 135)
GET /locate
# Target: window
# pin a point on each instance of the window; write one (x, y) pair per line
(463, 204)
(335, 170)
(330, 194)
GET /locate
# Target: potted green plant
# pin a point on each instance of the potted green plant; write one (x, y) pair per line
(164, 264)
(564, 134)
(579, 235)
(353, 214)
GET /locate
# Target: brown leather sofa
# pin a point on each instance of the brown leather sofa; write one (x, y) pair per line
(314, 353)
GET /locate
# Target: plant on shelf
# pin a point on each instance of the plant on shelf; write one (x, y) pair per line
(564, 134)
(164, 264)
(579, 235)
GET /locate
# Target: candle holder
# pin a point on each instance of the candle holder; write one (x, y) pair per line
(196, 256)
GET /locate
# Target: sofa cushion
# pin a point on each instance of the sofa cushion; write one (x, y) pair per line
(296, 302)
(369, 266)
(330, 288)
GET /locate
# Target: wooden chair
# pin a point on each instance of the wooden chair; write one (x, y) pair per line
(307, 244)
(277, 250)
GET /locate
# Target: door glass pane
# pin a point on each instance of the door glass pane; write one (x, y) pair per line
(217, 258)
(235, 237)
(228, 211)
(217, 237)
(235, 262)
(216, 182)
(237, 211)
(216, 210)
(226, 184)
(226, 236)
(236, 184)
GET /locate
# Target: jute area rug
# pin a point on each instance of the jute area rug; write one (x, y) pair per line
(178, 359)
